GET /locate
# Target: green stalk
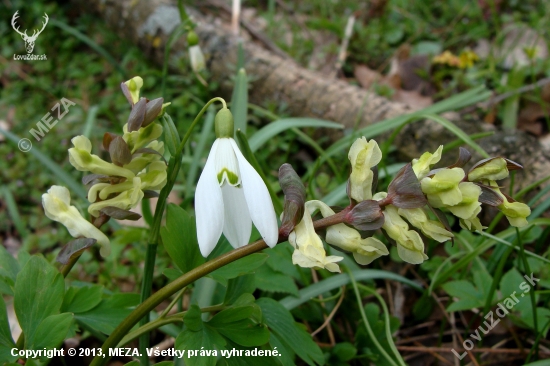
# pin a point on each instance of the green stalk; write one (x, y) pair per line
(150, 256)
(367, 325)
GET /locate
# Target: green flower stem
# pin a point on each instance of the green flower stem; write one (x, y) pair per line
(367, 324)
(150, 256)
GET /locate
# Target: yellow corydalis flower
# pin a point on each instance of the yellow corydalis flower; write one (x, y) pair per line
(410, 246)
(422, 166)
(57, 206)
(309, 251)
(363, 156)
(348, 239)
(442, 189)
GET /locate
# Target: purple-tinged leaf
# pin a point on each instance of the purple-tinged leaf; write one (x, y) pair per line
(120, 214)
(405, 190)
(120, 152)
(73, 248)
(137, 115)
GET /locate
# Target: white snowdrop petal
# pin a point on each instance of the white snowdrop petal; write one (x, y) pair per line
(209, 206)
(237, 223)
(258, 200)
(227, 166)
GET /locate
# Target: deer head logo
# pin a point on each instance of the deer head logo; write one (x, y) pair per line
(29, 40)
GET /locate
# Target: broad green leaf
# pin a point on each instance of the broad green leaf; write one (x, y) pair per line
(468, 296)
(179, 238)
(271, 281)
(198, 335)
(274, 128)
(344, 351)
(239, 101)
(241, 325)
(281, 323)
(240, 267)
(9, 268)
(52, 331)
(80, 300)
(132, 363)
(163, 363)
(109, 313)
(239, 287)
(6, 341)
(38, 293)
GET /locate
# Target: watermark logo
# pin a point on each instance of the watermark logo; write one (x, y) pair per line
(46, 123)
(29, 40)
(503, 308)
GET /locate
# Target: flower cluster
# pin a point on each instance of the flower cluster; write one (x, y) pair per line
(136, 171)
(410, 207)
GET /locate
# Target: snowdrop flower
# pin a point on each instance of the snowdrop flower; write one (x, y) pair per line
(195, 53)
(230, 195)
(363, 156)
(57, 206)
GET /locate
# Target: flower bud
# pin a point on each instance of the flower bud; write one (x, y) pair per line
(489, 169)
(137, 115)
(131, 89)
(153, 110)
(223, 123)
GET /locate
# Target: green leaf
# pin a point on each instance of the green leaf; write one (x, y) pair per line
(271, 281)
(240, 267)
(6, 341)
(132, 363)
(274, 128)
(80, 300)
(468, 296)
(38, 293)
(239, 101)
(344, 351)
(9, 268)
(282, 324)
(241, 325)
(196, 336)
(52, 331)
(179, 238)
(239, 287)
(109, 313)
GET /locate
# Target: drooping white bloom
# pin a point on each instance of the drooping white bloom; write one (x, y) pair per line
(230, 195)
(57, 206)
